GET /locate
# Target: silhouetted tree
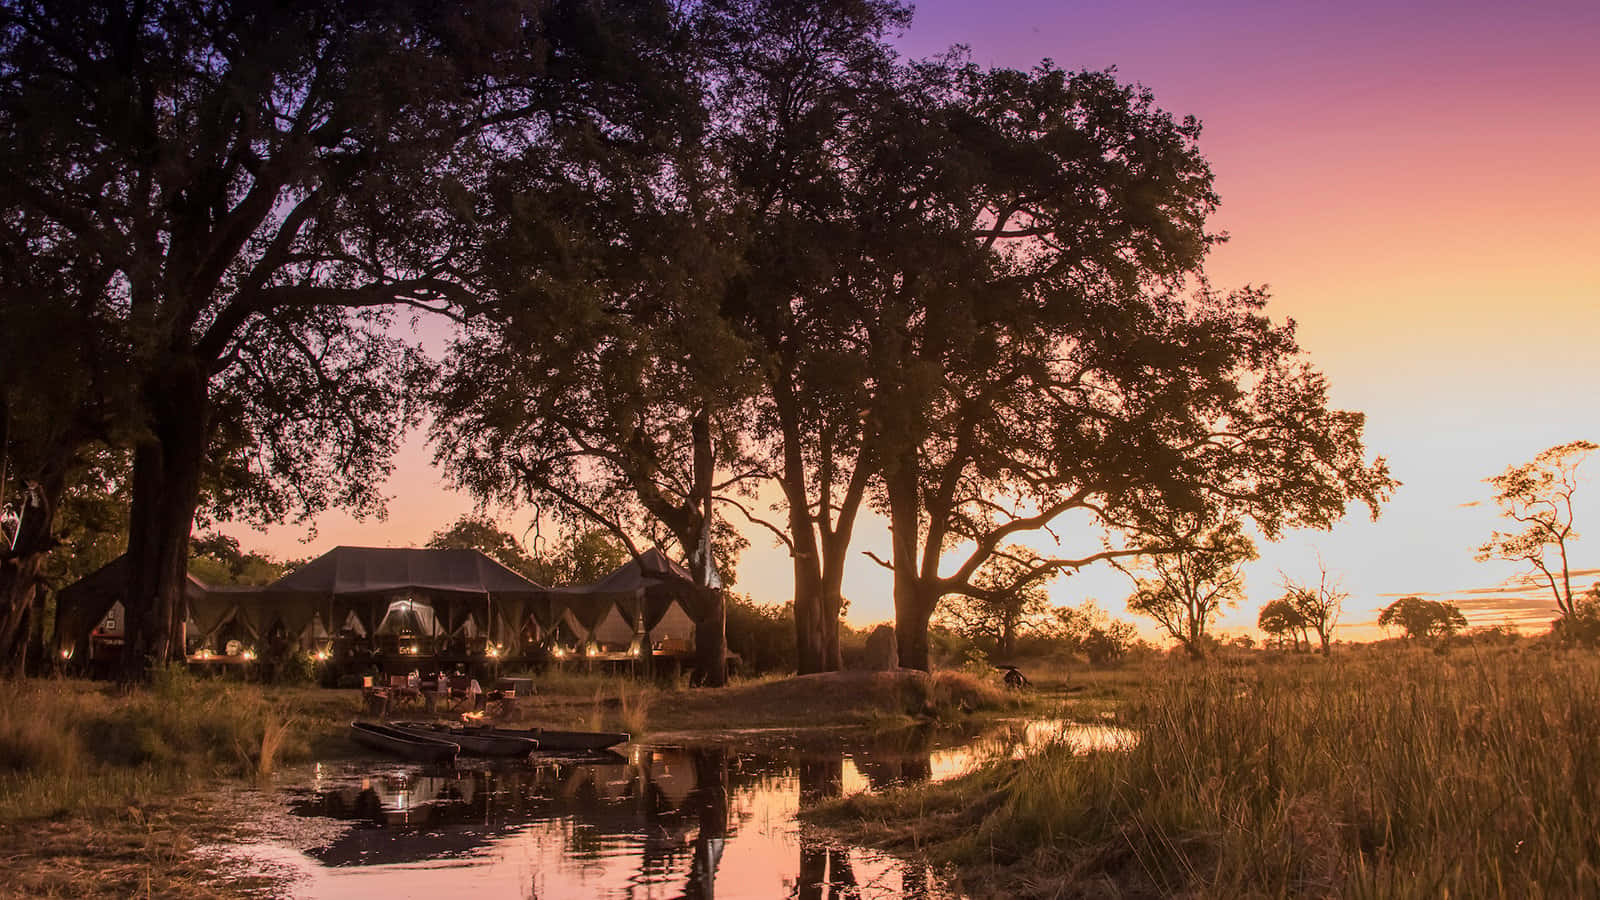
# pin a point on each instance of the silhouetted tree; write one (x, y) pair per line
(1283, 620)
(1033, 351)
(217, 559)
(476, 531)
(1200, 573)
(638, 324)
(1421, 618)
(1318, 605)
(233, 192)
(1538, 496)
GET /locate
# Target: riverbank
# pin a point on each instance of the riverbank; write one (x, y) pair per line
(105, 793)
(1381, 772)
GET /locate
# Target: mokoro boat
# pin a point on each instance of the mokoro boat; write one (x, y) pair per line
(473, 742)
(551, 741)
(392, 740)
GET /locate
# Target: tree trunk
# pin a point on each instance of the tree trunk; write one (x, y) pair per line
(818, 599)
(21, 565)
(832, 603)
(36, 659)
(810, 602)
(913, 606)
(912, 610)
(1192, 644)
(809, 605)
(711, 631)
(166, 490)
(711, 641)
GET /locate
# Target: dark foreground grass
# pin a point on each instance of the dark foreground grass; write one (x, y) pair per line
(68, 746)
(1381, 774)
(106, 793)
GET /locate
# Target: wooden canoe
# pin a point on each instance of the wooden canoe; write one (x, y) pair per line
(472, 742)
(551, 741)
(391, 740)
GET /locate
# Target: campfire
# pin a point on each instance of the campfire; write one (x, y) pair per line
(472, 718)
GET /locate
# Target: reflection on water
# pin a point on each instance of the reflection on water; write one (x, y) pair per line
(660, 822)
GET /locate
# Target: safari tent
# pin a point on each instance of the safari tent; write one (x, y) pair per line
(366, 604)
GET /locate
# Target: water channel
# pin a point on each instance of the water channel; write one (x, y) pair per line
(652, 822)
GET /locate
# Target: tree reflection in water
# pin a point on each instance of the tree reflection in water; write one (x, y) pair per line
(661, 822)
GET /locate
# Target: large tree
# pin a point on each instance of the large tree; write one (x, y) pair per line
(1537, 495)
(1034, 351)
(242, 189)
(808, 93)
(652, 355)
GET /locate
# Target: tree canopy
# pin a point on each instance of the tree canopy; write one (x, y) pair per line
(1283, 620)
(1421, 619)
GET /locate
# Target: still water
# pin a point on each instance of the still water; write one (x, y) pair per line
(653, 822)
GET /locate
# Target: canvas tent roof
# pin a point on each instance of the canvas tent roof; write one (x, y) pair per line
(107, 582)
(82, 604)
(651, 568)
(648, 584)
(378, 570)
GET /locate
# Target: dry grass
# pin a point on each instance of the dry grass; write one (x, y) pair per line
(102, 791)
(66, 745)
(1384, 774)
(130, 851)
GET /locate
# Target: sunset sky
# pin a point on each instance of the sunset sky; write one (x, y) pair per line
(1419, 184)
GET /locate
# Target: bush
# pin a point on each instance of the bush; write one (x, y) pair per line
(1583, 626)
(762, 634)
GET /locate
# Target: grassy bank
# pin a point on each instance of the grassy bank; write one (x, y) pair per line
(67, 746)
(1382, 773)
(104, 792)
(812, 703)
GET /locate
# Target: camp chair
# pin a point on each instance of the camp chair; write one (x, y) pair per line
(401, 693)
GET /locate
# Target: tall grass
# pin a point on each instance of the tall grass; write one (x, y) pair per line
(622, 704)
(1396, 774)
(70, 745)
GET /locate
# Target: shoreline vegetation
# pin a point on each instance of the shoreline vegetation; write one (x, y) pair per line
(1391, 770)
(1383, 772)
